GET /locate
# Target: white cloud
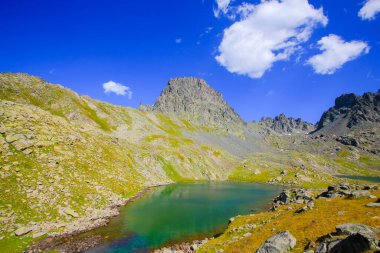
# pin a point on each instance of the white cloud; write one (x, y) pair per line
(369, 10)
(222, 7)
(267, 32)
(117, 88)
(178, 41)
(335, 53)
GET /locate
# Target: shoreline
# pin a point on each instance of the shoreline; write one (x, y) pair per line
(64, 241)
(68, 242)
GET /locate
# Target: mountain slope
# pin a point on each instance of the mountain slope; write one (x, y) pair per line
(195, 100)
(351, 112)
(65, 159)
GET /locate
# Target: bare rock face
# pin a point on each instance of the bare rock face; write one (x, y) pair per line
(195, 100)
(351, 111)
(284, 125)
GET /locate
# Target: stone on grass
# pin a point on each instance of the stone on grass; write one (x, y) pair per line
(70, 212)
(359, 194)
(376, 204)
(279, 243)
(22, 144)
(355, 243)
(22, 231)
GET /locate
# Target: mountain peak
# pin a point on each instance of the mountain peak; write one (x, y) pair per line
(351, 111)
(194, 99)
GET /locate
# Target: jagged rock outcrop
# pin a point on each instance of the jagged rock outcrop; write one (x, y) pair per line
(351, 111)
(284, 125)
(195, 100)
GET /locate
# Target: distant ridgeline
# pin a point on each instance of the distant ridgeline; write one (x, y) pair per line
(284, 125)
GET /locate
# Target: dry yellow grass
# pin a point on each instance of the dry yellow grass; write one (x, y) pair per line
(307, 226)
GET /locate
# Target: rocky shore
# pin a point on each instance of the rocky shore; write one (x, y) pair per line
(66, 241)
(347, 238)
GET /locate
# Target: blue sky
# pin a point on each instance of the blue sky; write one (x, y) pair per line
(141, 44)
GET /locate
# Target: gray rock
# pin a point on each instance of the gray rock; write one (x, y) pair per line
(350, 111)
(281, 242)
(354, 228)
(71, 212)
(310, 205)
(355, 243)
(322, 248)
(195, 100)
(23, 231)
(359, 194)
(295, 195)
(284, 125)
(39, 234)
(375, 204)
(13, 137)
(23, 144)
(348, 140)
(345, 190)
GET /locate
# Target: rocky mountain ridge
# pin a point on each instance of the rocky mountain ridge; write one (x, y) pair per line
(287, 125)
(351, 112)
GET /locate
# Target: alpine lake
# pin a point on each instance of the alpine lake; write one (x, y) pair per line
(180, 212)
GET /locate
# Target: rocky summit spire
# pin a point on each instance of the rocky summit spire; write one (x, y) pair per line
(195, 100)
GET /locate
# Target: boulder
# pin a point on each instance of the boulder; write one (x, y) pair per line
(290, 196)
(359, 194)
(14, 137)
(375, 204)
(354, 228)
(281, 242)
(348, 140)
(22, 231)
(355, 243)
(70, 212)
(345, 190)
(23, 144)
(39, 234)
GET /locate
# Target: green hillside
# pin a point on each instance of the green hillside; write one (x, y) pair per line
(66, 160)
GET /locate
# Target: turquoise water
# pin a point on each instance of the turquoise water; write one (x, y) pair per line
(181, 212)
(362, 178)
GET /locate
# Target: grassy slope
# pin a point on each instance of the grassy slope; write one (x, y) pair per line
(304, 169)
(85, 156)
(306, 227)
